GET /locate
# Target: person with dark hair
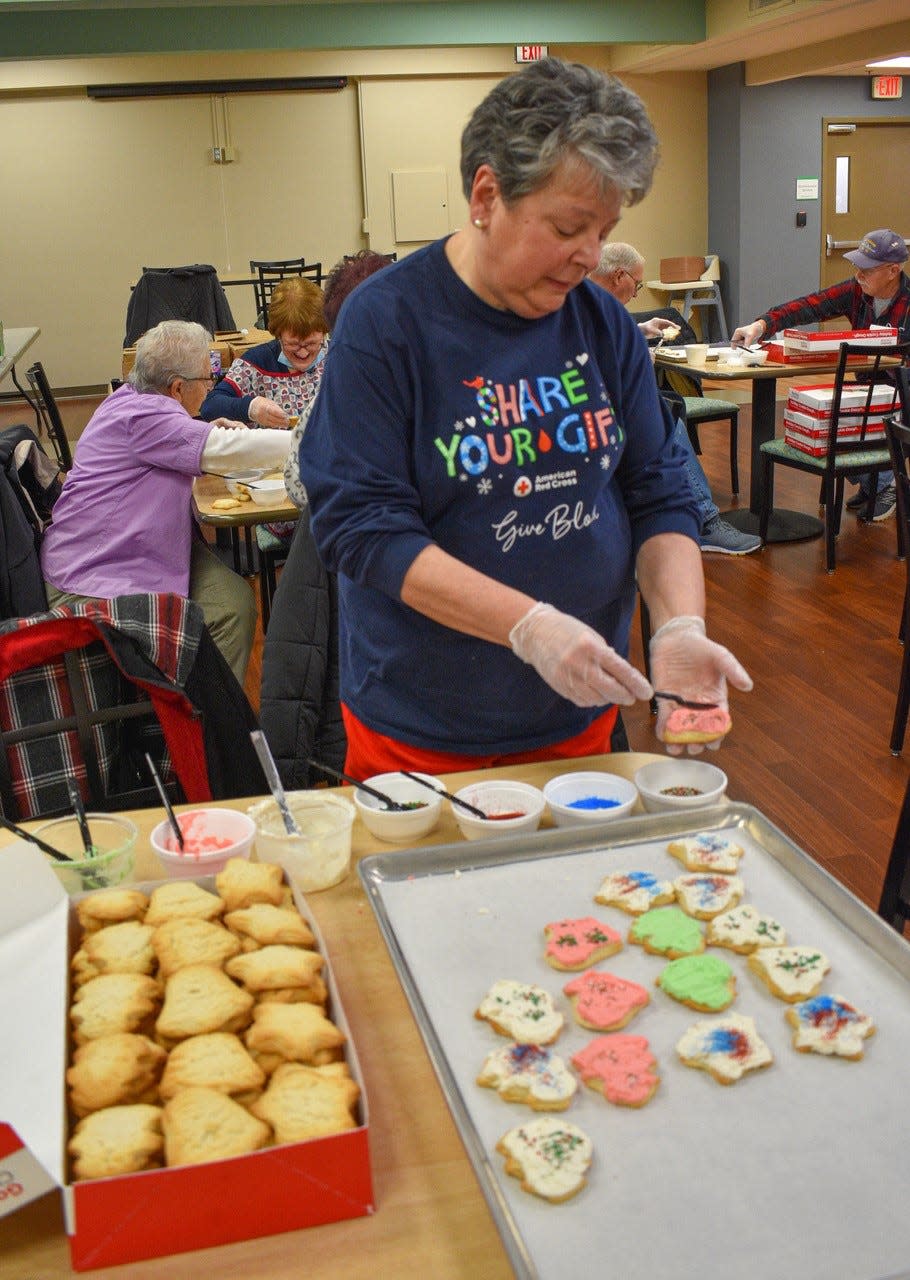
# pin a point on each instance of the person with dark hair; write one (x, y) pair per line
(489, 466)
(271, 384)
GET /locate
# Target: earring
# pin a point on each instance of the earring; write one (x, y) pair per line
(479, 223)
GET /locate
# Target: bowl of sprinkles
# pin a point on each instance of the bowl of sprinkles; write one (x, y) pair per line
(509, 807)
(679, 783)
(589, 796)
(420, 813)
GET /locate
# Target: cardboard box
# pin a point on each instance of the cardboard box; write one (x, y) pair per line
(677, 270)
(825, 343)
(816, 399)
(814, 440)
(161, 1211)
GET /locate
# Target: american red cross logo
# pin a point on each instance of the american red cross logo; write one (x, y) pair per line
(522, 487)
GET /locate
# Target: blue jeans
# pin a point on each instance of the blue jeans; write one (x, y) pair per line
(883, 479)
(699, 481)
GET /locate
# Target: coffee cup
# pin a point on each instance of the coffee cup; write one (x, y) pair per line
(696, 352)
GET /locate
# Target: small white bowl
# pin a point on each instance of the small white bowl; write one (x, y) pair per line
(593, 796)
(269, 493)
(228, 833)
(235, 479)
(398, 826)
(499, 797)
(755, 357)
(653, 779)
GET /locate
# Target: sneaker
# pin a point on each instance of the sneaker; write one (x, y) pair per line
(885, 504)
(858, 501)
(717, 535)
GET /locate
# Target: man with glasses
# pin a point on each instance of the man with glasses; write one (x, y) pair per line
(878, 294)
(123, 523)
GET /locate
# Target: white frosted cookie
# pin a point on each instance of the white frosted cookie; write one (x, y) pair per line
(551, 1157)
(707, 852)
(829, 1025)
(521, 1011)
(703, 894)
(634, 891)
(744, 929)
(529, 1073)
(725, 1047)
(790, 973)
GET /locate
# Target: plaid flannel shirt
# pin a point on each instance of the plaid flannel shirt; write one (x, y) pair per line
(845, 299)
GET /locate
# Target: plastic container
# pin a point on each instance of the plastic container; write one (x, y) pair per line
(211, 837)
(496, 798)
(398, 826)
(576, 799)
(655, 780)
(269, 493)
(112, 835)
(321, 856)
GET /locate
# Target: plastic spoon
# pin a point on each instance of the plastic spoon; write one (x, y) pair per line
(171, 816)
(478, 813)
(371, 791)
(27, 835)
(79, 809)
(269, 768)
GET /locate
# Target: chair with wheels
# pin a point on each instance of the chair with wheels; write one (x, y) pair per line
(47, 414)
(268, 274)
(846, 456)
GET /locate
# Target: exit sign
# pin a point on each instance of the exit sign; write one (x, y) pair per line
(887, 86)
(531, 52)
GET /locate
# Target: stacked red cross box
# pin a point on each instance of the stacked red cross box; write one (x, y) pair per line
(807, 416)
(797, 347)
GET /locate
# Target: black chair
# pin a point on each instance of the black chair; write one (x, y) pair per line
(894, 904)
(898, 436)
(271, 273)
(845, 457)
(47, 415)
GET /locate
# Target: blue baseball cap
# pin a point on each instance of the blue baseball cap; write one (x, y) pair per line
(877, 248)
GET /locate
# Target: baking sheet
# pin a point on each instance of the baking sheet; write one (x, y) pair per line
(800, 1170)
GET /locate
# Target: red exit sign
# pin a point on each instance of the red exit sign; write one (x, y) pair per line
(530, 52)
(887, 86)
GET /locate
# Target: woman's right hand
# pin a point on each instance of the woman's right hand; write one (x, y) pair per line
(267, 413)
(574, 660)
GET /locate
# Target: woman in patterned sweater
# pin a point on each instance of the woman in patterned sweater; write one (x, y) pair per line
(272, 384)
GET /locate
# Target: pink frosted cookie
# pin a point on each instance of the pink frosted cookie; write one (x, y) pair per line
(521, 1011)
(667, 931)
(572, 944)
(620, 1067)
(707, 852)
(705, 895)
(603, 1002)
(744, 929)
(829, 1025)
(790, 973)
(634, 891)
(725, 1047)
(529, 1073)
(703, 982)
(685, 724)
(550, 1156)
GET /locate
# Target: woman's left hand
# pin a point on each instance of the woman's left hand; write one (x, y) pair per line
(685, 661)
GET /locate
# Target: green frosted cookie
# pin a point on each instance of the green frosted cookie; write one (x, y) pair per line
(702, 982)
(668, 931)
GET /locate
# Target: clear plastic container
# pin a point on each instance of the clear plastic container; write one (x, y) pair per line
(114, 840)
(321, 855)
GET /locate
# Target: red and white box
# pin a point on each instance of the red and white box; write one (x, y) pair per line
(795, 340)
(807, 416)
(161, 1211)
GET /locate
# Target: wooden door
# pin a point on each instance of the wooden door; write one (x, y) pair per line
(872, 161)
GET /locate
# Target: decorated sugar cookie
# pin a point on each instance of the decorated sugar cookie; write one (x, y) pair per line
(667, 931)
(790, 973)
(704, 894)
(604, 1002)
(621, 1067)
(703, 982)
(829, 1025)
(529, 1073)
(634, 891)
(707, 852)
(725, 1047)
(744, 929)
(574, 944)
(550, 1156)
(521, 1011)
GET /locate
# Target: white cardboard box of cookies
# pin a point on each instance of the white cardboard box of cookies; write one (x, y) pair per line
(158, 1211)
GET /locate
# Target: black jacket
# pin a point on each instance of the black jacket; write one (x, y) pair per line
(177, 293)
(29, 486)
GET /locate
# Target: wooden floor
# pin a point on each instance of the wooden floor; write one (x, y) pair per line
(809, 746)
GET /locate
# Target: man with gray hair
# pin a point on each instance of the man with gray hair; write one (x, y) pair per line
(123, 523)
(621, 272)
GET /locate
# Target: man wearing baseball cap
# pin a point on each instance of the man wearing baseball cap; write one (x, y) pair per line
(879, 294)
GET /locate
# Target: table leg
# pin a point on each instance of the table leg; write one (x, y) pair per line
(783, 526)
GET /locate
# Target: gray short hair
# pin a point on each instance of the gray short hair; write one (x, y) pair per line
(534, 120)
(617, 256)
(173, 349)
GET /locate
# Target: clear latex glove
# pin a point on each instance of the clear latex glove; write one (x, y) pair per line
(574, 660)
(685, 661)
(654, 327)
(266, 413)
(747, 334)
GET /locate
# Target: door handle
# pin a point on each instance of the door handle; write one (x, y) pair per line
(831, 244)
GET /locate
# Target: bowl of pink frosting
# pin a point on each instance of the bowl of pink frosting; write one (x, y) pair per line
(210, 838)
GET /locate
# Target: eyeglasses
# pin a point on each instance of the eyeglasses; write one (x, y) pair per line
(210, 378)
(639, 284)
(310, 347)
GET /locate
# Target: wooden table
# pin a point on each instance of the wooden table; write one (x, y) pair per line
(431, 1218)
(784, 525)
(15, 343)
(206, 489)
